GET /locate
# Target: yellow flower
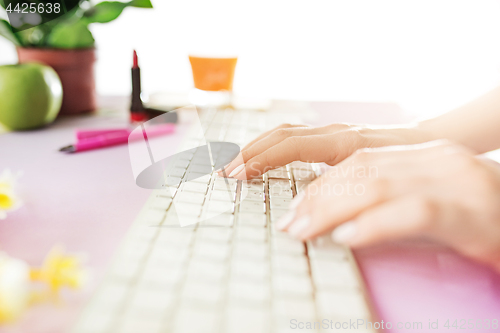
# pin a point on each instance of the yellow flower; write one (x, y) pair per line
(60, 270)
(9, 201)
(14, 288)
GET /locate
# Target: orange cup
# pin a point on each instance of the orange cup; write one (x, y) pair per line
(213, 74)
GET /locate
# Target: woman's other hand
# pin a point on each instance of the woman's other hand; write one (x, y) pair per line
(437, 190)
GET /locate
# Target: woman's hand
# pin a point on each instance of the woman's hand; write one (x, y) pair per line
(330, 144)
(437, 190)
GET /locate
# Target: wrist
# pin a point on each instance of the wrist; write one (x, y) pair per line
(402, 135)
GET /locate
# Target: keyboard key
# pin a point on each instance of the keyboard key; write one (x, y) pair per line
(252, 195)
(154, 301)
(333, 274)
(190, 197)
(164, 275)
(248, 291)
(280, 203)
(289, 264)
(303, 174)
(183, 164)
(244, 270)
(247, 320)
(212, 251)
(136, 323)
(252, 207)
(197, 177)
(195, 187)
(288, 246)
(252, 219)
(218, 219)
(222, 195)
(224, 180)
(203, 294)
(175, 172)
(325, 247)
(290, 285)
(167, 192)
(280, 188)
(294, 308)
(280, 192)
(221, 185)
(341, 303)
(165, 256)
(174, 220)
(172, 180)
(186, 209)
(301, 186)
(253, 185)
(284, 183)
(174, 237)
(190, 320)
(144, 234)
(200, 166)
(251, 234)
(223, 235)
(278, 173)
(220, 206)
(203, 271)
(255, 251)
(153, 217)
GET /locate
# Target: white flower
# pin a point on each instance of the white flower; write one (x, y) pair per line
(14, 287)
(9, 201)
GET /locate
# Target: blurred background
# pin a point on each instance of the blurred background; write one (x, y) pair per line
(428, 56)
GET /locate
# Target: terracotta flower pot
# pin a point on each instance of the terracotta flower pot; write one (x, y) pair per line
(76, 70)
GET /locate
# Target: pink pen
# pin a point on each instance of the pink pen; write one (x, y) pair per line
(116, 137)
(85, 134)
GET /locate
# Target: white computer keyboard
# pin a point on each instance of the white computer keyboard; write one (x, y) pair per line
(233, 273)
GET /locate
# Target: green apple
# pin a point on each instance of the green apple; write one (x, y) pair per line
(30, 95)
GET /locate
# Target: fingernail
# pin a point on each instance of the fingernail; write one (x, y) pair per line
(296, 201)
(237, 170)
(299, 226)
(285, 220)
(344, 232)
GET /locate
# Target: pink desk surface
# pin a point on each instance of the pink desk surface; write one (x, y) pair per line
(87, 202)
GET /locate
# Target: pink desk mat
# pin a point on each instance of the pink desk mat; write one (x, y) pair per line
(87, 202)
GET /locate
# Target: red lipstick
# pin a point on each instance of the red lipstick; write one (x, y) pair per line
(137, 110)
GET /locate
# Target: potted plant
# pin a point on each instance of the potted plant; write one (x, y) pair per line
(63, 42)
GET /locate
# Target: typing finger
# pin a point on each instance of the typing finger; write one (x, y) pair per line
(310, 148)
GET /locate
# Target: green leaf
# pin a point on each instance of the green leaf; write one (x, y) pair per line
(105, 11)
(141, 3)
(6, 31)
(71, 36)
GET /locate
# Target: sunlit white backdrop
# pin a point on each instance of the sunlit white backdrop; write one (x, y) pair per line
(427, 55)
